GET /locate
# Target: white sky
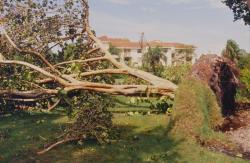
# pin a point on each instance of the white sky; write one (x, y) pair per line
(207, 24)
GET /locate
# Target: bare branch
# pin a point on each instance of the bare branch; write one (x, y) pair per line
(81, 61)
(105, 71)
(1, 57)
(36, 68)
(54, 105)
(30, 52)
(97, 72)
(28, 94)
(24, 100)
(55, 145)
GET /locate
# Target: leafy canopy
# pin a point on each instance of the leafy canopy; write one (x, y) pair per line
(240, 8)
(233, 51)
(152, 60)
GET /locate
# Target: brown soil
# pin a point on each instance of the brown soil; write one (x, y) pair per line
(237, 128)
(240, 120)
(241, 133)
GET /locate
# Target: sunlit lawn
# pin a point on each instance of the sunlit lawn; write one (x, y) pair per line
(138, 138)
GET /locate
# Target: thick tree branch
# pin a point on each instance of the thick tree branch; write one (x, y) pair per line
(85, 74)
(126, 90)
(105, 71)
(157, 81)
(40, 56)
(28, 94)
(36, 68)
(25, 100)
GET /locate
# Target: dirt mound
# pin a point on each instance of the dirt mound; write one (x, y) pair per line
(221, 75)
(243, 106)
(238, 129)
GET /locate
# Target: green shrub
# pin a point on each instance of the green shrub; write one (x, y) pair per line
(176, 73)
(243, 93)
(162, 104)
(8, 107)
(91, 123)
(151, 61)
(245, 80)
(90, 117)
(130, 80)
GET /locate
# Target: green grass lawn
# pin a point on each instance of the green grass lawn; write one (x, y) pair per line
(138, 139)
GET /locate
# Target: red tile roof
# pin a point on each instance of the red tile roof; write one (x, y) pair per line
(120, 42)
(126, 43)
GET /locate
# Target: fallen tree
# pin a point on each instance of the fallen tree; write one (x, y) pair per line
(49, 54)
(35, 30)
(50, 57)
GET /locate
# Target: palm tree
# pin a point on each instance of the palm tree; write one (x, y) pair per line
(114, 50)
(151, 60)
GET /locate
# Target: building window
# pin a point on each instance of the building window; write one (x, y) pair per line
(189, 58)
(127, 50)
(165, 50)
(139, 51)
(166, 60)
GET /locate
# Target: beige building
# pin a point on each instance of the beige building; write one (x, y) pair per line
(131, 51)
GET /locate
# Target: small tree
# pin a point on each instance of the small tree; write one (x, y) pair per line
(244, 61)
(152, 60)
(245, 79)
(114, 50)
(232, 51)
(244, 65)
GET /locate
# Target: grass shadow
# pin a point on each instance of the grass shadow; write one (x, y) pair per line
(135, 139)
(128, 145)
(26, 133)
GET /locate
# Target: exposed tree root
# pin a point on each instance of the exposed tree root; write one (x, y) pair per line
(221, 75)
